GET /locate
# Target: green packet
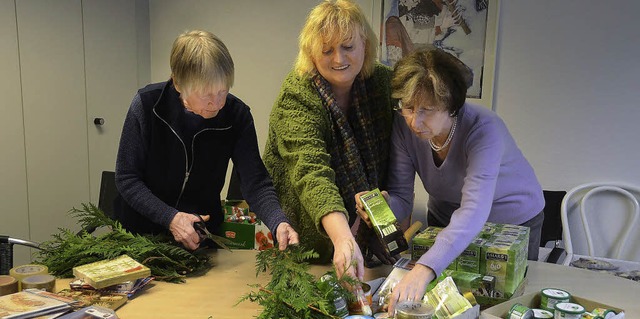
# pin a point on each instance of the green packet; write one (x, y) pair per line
(384, 222)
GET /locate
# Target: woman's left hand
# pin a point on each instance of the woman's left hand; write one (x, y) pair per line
(286, 235)
(412, 286)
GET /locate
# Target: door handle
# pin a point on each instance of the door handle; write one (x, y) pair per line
(98, 121)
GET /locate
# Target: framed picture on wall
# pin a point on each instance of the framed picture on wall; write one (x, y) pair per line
(464, 28)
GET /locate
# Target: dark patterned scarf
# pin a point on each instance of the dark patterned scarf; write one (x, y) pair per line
(356, 154)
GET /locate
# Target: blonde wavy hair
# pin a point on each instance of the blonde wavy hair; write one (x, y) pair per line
(200, 60)
(334, 21)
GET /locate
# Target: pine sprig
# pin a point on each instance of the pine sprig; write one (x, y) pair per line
(293, 293)
(67, 249)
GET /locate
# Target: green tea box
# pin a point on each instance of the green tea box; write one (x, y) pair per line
(424, 241)
(521, 245)
(421, 243)
(518, 238)
(432, 230)
(509, 227)
(488, 230)
(469, 259)
(384, 222)
(506, 261)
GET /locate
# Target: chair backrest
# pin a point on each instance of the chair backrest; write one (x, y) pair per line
(552, 225)
(601, 220)
(234, 191)
(6, 251)
(108, 192)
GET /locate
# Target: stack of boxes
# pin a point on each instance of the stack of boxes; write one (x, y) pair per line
(494, 264)
(504, 256)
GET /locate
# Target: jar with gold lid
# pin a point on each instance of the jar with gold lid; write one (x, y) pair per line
(413, 310)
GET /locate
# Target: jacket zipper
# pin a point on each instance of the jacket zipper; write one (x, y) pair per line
(186, 157)
(187, 169)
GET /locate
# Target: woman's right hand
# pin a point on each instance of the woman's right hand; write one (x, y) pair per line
(411, 287)
(181, 228)
(347, 258)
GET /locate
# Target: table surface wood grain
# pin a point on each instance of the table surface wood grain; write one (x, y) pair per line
(214, 295)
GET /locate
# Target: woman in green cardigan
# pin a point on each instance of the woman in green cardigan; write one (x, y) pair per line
(329, 132)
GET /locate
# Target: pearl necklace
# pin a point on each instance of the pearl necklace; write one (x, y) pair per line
(446, 143)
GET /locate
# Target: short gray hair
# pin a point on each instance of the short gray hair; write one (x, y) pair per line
(199, 60)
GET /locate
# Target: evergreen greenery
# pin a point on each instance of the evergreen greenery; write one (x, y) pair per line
(294, 293)
(167, 260)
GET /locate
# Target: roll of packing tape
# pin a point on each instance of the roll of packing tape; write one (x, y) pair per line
(46, 282)
(8, 285)
(24, 271)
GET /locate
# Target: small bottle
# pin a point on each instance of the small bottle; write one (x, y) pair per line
(361, 306)
(339, 302)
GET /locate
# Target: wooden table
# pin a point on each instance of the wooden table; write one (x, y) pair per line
(212, 295)
(215, 294)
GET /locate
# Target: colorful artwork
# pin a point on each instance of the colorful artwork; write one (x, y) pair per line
(456, 26)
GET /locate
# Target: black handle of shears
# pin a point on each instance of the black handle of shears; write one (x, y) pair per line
(201, 227)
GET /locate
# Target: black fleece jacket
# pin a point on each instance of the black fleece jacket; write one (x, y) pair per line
(165, 164)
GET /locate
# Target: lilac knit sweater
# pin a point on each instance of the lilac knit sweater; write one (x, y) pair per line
(484, 177)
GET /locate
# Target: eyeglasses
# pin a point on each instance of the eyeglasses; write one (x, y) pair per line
(410, 112)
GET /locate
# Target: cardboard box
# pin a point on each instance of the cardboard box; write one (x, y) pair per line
(243, 229)
(533, 301)
(490, 301)
(109, 272)
(247, 236)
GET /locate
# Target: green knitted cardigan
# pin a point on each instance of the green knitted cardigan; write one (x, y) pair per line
(297, 154)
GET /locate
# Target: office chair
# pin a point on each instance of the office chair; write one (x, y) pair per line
(234, 192)
(552, 225)
(108, 194)
(6, 251)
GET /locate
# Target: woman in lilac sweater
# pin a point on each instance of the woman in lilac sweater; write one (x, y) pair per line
(466, 158)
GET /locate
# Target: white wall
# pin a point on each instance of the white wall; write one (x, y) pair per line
(260, 35)
(567, 86)
(564, 81)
